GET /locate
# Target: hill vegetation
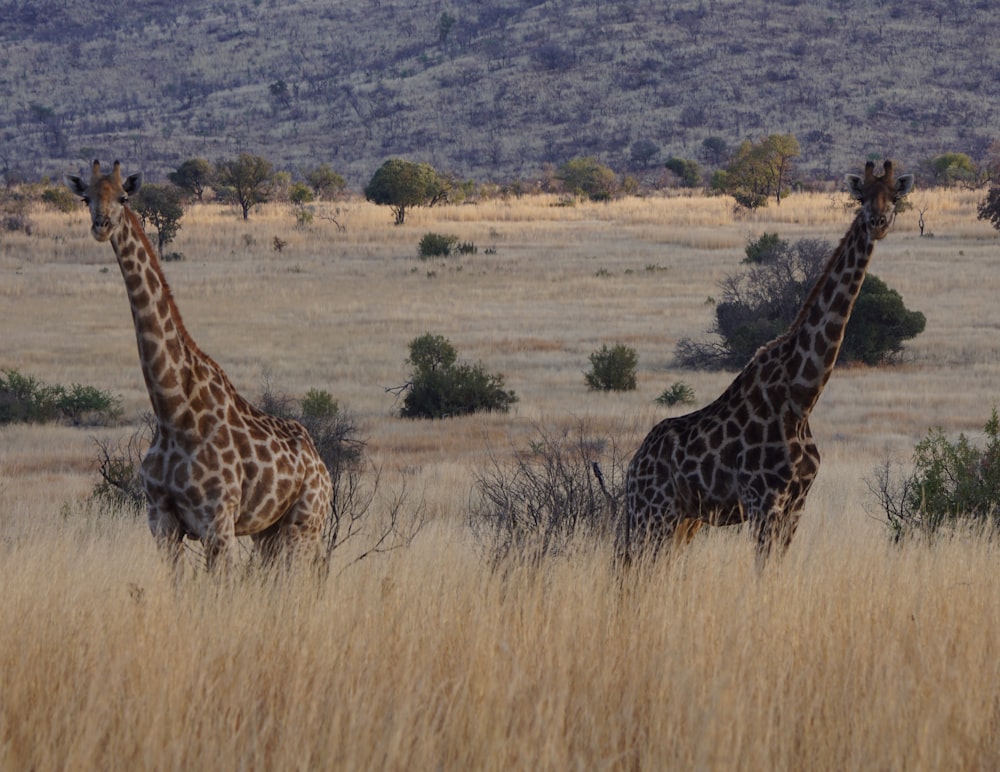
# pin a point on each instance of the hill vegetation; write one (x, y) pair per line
(496, 90)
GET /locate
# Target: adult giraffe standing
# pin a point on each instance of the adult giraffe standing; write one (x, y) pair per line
(749, 455)
(218, 467)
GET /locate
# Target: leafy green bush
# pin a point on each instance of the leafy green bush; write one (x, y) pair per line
(952, 482)
(679, 393)
(436, 245)
(761, 303)
(440, 388)
(25, 399)
(612, 369)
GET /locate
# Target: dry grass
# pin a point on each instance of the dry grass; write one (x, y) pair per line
(849, 653)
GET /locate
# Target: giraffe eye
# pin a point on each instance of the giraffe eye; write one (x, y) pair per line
(123, 200)
(86, 200)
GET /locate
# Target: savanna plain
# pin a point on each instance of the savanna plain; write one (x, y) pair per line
(851, 652)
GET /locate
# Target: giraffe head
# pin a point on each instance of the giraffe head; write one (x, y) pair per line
(106, 195)
(879, 196)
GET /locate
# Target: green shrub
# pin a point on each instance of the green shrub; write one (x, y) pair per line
(436, 245)
(612, 369)
(439, 387)
(60, 199)
(953, 482)
(761, 303)
(679, 393)
(25, 399)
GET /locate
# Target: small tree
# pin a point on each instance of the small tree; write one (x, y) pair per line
(954, 169)
(325, 182)
(401, 185)
(642, 153)
(441, 388)
(612, 369)
(248, 180)
(588, 177)
(989, 207)
(759, 171)
(160, 206)
(193, 176)
(687, 171)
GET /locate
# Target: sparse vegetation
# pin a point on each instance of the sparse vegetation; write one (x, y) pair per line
(548, 495)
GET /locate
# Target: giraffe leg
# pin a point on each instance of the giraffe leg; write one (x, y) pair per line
(166, 530)
(775, 530)
(220, 539)
(298, 534)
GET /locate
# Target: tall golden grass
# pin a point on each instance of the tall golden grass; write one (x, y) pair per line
(851, 652)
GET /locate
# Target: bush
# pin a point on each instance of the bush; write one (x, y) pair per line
(952, 482)
(678, 394)
(60, 199)
(535, 504)
(24, 399)
(989, 207)
(436, 245)
(612, 369)
(760, 304)
(440, 388)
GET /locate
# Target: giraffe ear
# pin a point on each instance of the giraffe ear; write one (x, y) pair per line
(132, 183)
(75, 184)
(855, 184)
(904, 184)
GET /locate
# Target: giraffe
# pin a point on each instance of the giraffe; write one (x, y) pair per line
(749, 456)
(218, 467)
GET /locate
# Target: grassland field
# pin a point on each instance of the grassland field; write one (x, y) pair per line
(850, 653)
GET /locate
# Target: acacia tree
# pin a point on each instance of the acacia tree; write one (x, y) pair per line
(759, 171)
(401, 184)
(160, 206)
(194, 175)
(248, 180)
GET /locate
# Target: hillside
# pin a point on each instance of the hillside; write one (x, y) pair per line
(494, 89)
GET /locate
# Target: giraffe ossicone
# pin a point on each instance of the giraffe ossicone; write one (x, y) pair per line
(749, 456)
(218, 467)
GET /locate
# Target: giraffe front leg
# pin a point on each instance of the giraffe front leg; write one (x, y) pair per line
(166, 529)
(775, 529)
(219, 540)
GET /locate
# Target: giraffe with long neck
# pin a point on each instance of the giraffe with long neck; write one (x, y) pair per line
(218, 467)
(749, 456)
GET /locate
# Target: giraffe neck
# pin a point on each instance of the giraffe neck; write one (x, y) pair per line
(812, 342)
(176, 371)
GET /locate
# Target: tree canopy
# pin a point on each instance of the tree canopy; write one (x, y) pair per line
(247, 180)
(760, 170)
(401, 184)
(586, 176)
(160, 206)
(194, 175)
